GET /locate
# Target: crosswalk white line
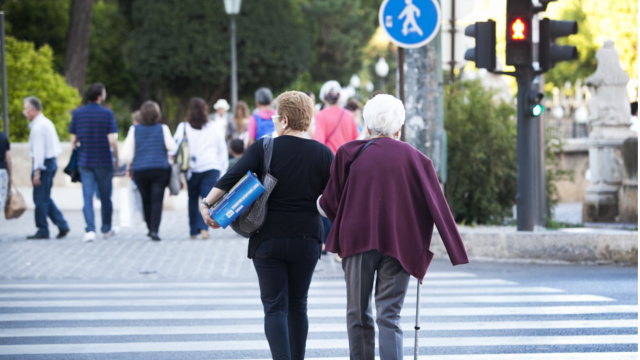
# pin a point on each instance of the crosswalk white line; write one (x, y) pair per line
(211, 285)
(256, 292)
(232, 345)
(313, 328)
(544, 356)
(324, 313)
(312, 301)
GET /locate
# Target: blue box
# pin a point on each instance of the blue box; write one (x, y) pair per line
(236, 200)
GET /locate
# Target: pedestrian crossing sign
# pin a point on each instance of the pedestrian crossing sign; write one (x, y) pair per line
(410, 23)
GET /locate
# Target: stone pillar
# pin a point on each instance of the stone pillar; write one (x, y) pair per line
(609, 123)
(628, 194)
(424, 103)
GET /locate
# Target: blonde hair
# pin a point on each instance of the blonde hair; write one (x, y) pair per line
(297, 107)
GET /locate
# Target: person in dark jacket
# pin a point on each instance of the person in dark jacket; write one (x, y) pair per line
(146, 151)
(383, 219)
(286, 249)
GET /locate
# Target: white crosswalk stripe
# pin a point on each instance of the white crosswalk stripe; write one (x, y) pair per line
(463, 317)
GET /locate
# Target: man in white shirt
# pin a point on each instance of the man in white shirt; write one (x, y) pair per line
(44, 146)
(221, 117)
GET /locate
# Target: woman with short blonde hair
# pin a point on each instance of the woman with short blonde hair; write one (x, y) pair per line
(286, 249)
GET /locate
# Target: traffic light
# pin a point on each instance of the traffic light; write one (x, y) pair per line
(484, 54)
(549, 52)
(534, 103)
(519, 44)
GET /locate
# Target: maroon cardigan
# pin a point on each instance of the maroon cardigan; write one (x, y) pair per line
(389, 202)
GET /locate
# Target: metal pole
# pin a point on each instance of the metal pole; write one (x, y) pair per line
(525, 198)
(234, 68)
(381, 83)
(417, 327)
(453, 41)
(401, 82)
(5, 110)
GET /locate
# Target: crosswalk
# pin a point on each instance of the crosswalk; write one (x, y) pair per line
(462, 317)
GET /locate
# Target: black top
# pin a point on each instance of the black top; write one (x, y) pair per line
(4, 147)
(302, 169)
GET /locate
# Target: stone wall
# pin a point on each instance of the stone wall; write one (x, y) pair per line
(575, 156)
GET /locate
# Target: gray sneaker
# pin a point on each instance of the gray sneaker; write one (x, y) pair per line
(109, 234)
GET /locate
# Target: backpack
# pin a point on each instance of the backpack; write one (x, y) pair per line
(263, 127)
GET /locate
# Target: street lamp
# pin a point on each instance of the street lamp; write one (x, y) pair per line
(232, 8)
(382, 70)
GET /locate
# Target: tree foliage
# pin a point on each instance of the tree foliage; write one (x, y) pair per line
(41, 22)
(31, 72)
(342, 29)
(482, 173)
(184, 45)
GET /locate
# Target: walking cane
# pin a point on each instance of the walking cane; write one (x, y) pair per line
(417, 327)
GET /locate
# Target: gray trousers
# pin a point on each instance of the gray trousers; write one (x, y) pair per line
(391, 282)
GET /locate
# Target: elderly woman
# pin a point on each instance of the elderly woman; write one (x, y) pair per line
(384, 200)
(146, 152)
(285, 251)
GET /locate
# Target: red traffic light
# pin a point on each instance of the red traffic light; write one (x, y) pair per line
(518, 29)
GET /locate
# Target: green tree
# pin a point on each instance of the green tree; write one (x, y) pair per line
(342, 29)
(110, 32)
(182, 46)
(31, 72)
(481, 186)
(41, 22)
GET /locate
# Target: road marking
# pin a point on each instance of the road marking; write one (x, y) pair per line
(256, 292)
(342, 343)
(316, 300)
(314, 284)
(324, 313)
(313, 328)
(545, 356)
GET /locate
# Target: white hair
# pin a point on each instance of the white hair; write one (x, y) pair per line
(383, 115)
(330, 86)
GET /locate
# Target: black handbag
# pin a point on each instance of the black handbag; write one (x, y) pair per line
(72, 168)
(253, 219)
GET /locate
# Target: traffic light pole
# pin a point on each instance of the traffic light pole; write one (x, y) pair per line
(525, 198)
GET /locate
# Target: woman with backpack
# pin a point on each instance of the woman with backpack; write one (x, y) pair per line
(207, 159)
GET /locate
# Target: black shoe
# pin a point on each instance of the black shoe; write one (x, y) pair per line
(154, 236)
(63, 233)
(149, 234)
(37, 237)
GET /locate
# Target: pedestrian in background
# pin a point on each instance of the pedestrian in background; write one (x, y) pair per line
(137, 214)
(146, 150)
(241, 120)
(335, 126)
(94, 129)
(44, 146)
(236, 150)
(222, 119)
(260, 123)
(287, 248)
(312, 126)
(5, 170)
(382, 226)
(208, 159)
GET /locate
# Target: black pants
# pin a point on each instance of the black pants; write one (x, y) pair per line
(285, 268)
(151, 184)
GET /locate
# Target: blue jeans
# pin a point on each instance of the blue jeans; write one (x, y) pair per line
(200, 184)
(326, 225)
(100, 177)
(45, 207)
(285, 267)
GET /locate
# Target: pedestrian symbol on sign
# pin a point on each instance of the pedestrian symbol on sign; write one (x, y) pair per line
(410, 13)
(420, 21)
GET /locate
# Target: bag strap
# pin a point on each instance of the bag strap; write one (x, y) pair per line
(326, 140)
(267, 145)
(358, 154)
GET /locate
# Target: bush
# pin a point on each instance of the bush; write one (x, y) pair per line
(31, 72)
(482, 157)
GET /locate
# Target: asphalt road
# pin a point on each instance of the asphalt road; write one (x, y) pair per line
(128, 298)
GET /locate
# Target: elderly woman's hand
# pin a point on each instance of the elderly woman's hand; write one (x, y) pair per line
(204, 211)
